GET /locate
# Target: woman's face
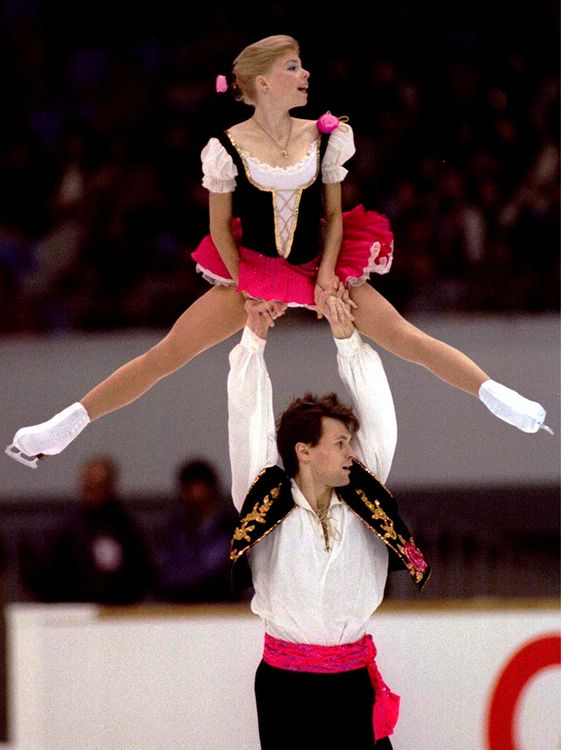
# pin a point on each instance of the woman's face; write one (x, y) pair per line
(288, 81)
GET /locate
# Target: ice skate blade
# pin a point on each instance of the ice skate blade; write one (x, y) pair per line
(21, 457)
(546, 428)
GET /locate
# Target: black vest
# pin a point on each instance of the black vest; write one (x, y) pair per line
(254, 206)
(269, 501)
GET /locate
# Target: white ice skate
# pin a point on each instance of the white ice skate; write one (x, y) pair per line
(513, 408)
(48, 438)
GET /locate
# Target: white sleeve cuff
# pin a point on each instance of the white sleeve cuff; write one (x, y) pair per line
(350, 346)
(218, 186)
(251, 341)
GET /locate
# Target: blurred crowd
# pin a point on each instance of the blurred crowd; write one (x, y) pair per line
(98, 550)
(106, 111)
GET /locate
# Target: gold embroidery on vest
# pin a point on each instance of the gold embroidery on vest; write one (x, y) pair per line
(378, 515)
(417, 576)
(257, 514)
(234, 556)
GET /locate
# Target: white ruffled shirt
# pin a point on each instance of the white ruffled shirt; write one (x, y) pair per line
(305, 593)
(220, 173)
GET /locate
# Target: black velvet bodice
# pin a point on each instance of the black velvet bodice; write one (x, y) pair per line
(254, 206)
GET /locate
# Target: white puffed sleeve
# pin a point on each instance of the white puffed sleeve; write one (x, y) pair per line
(339, 149)
(219, 170)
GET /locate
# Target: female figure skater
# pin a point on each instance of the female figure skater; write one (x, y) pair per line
(280, 177)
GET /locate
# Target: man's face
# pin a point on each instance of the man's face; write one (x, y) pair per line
(331, 458)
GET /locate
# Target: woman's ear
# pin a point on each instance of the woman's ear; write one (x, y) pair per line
(262, 84)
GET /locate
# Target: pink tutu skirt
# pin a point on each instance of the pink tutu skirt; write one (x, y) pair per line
(367, 247)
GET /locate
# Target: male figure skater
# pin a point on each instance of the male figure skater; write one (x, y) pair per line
(317, 538)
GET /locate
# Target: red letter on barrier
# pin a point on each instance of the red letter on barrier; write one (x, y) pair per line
(526, 663)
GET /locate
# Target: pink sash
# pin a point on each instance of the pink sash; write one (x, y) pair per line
(304, 657)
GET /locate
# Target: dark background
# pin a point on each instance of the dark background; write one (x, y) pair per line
(106, 107)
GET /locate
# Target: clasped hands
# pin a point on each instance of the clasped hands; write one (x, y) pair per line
(334, 304)
(330, 286)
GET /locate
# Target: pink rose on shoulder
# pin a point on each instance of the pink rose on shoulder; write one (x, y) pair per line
(415, 557)
(327, 123)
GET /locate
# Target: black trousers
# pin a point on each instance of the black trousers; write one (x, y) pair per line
(306, 711)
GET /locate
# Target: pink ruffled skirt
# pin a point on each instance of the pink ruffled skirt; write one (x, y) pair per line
(367, 247)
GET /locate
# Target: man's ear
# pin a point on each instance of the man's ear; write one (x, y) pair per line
(302, 451)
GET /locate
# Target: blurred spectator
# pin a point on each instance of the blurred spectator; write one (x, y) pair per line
(97, 555)
(193, 558)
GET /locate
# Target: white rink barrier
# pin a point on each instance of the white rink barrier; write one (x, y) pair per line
(472, 676)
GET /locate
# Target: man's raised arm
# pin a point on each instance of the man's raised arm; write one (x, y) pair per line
(252, 438)
(361, 370)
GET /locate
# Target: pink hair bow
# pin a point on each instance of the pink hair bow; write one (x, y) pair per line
(221, 84)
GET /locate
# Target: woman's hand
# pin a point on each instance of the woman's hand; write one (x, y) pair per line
(326, 282)
(334, 287)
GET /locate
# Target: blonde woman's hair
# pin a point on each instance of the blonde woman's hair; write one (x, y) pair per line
(257, 59)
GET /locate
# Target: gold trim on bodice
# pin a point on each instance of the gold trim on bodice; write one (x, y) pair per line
(276, 196)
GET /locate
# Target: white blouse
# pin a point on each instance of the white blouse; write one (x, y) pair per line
(304, 592)
(220, 173)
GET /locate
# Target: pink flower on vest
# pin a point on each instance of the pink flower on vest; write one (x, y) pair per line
(414, 556)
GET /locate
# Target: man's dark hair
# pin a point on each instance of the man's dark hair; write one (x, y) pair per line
(301, 422)
(197, 470)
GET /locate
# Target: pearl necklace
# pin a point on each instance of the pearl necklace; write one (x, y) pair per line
(283, 150)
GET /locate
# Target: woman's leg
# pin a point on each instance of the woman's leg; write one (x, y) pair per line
(377, 318)
(212, 318)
